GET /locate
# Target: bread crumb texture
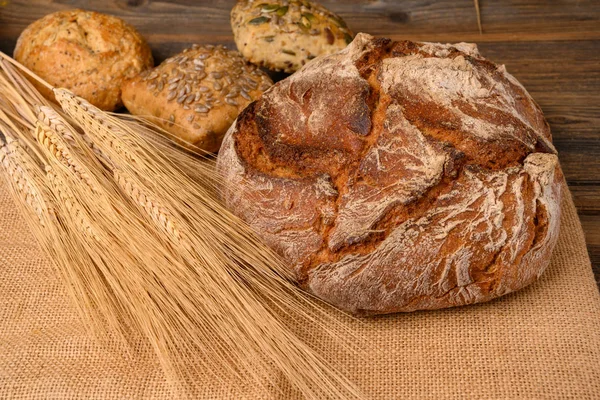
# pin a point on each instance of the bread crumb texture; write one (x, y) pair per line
(284, 35)
(89, 53)
(398, 176)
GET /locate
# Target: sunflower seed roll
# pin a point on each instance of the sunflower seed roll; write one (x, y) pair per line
(284, 35)
(197, 94)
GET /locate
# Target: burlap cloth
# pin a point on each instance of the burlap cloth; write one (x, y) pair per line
(542, 342)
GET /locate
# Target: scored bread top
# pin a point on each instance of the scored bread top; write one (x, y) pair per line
(396, 176)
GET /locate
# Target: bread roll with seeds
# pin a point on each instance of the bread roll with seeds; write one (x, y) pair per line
(398, 176)
(89, 53)
(284, 35)
(197, 94)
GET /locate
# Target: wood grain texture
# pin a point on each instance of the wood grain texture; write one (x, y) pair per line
(552, 47)
(440, 20)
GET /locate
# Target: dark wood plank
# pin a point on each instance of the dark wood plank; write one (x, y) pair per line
(440, 20)
(580, 161)
(586, 197)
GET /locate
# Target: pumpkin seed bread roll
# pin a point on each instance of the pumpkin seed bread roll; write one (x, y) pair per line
(284, 35)
(89, 53)
(197, 94)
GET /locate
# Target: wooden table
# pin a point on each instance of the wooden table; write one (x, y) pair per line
(552, 47)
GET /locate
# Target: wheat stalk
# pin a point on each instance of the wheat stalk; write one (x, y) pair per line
(56, 151)
(120, 264)
(50, 133)
(20, 170)
(167, 259)
(28, 183)
(478, 14)
(302, 363)
(108, 135)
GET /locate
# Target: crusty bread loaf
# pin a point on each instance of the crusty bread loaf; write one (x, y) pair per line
(89, 53)
(196, 94)
(397, 176)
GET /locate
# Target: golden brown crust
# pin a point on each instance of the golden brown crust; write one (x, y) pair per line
(197, 94)
(283, 35)
(89, 53)
(397, 176)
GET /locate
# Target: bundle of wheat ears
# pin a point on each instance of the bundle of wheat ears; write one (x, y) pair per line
(147, 251)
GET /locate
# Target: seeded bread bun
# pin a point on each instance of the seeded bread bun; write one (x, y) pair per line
(398, 176)
(197, 94)
(89, 53)
(284, 35)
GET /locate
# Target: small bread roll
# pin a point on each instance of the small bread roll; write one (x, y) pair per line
(197, 94)
(284, 35)
(89, 53)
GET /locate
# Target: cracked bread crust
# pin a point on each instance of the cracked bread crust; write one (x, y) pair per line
(89, 53)
(398, 176)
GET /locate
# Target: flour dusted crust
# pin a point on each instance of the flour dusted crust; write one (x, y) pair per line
(89, 53)
(398, 176)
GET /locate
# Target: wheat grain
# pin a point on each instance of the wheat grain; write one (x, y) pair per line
(210, 219)
(20, 169)
(27, 181)
(55, 147)
(159, 214)
(156, 250)
(60, 188)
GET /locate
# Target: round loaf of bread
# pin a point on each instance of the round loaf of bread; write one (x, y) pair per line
(398, 176)
(89, 53)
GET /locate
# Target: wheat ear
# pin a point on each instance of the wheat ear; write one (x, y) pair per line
(50, 133)
(76, 176)
(213, 303)
(26, 182)
(109, 135)
(56, 151)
